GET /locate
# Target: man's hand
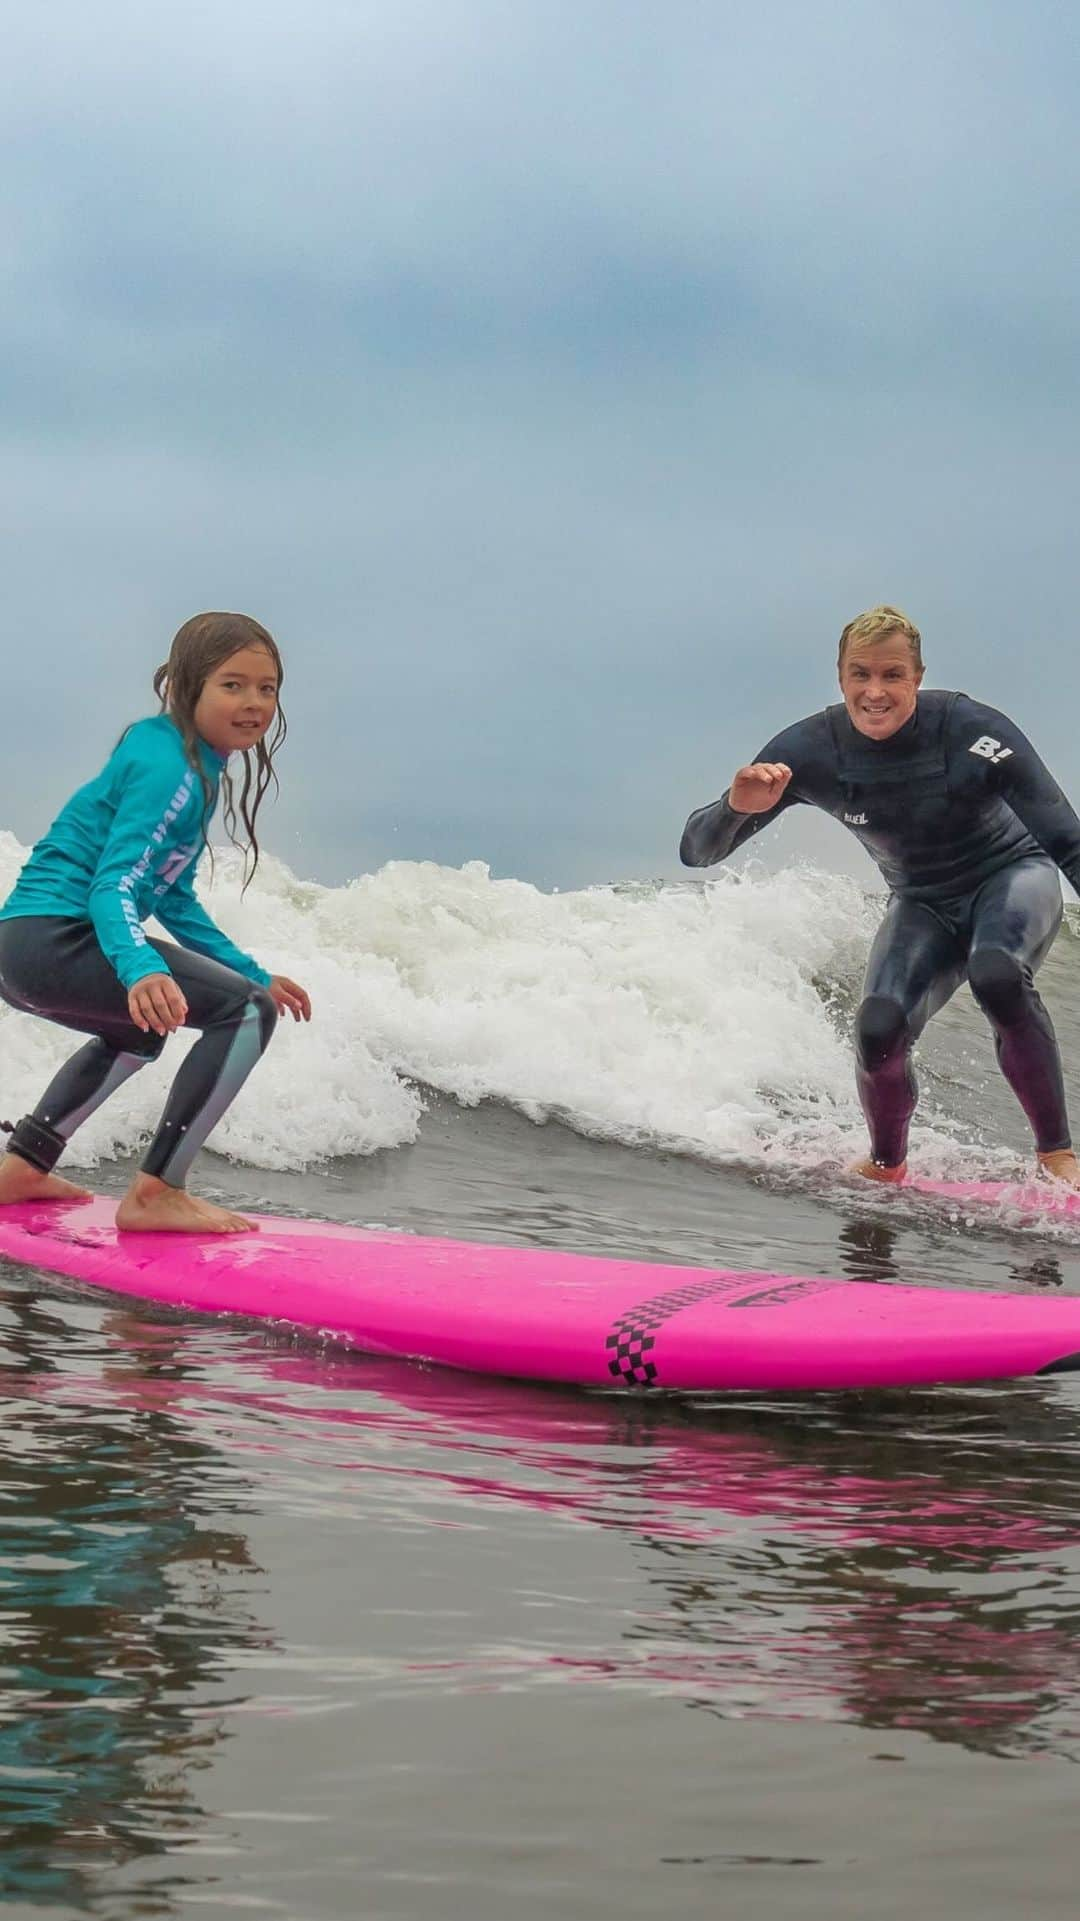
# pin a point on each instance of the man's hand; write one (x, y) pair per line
(756, 789)
(288, 998)
(156, 1002)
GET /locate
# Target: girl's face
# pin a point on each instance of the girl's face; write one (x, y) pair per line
(238, 700)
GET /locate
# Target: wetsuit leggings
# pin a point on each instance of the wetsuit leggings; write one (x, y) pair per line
(996, 937)
(56, 968)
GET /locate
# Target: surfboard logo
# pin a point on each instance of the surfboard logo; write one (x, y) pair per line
(631, 1344)
(988, 748)
(856, 820)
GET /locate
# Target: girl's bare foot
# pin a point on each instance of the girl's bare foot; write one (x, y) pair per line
(151, 1206)
(21, 1182)
(873, 1171)
(1062, 1165)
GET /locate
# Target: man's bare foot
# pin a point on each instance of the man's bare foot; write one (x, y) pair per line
(1062, 1166)
(21, 1182)
(873, 1171)
(151, 1206)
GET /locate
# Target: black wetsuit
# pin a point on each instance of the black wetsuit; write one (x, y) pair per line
(968, 828)
(55, 967)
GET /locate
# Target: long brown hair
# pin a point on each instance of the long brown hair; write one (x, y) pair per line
(201, 644)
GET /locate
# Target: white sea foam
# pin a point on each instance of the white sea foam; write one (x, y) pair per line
(702, 1019)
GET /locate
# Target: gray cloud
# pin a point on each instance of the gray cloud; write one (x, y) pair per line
(554, 380)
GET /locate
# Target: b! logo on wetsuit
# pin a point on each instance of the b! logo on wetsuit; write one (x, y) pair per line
(990, 749)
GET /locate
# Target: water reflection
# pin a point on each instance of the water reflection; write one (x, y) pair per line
(902, 1562)
(121, 1602)
(898, 1560)
(867, 1251)
(1043, 1272)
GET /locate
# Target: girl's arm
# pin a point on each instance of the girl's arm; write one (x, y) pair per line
(158, 807)
(147, 803)
(183, 916)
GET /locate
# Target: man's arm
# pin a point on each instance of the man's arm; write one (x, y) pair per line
(1026, 783)
(757, 795)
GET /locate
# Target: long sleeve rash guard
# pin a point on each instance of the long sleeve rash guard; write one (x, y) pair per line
(955, 795)
(125, 847)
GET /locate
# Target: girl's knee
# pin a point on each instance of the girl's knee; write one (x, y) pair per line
(250, 1007)
(265, 1008)
(144, 1047)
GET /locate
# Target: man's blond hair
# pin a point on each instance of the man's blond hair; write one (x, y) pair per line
(880, 623)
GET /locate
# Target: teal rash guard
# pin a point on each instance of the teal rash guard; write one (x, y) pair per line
(126, 846)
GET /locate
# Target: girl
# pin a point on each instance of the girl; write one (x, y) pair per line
(72, 944)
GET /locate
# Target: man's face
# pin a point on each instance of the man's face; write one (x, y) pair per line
(880, 685)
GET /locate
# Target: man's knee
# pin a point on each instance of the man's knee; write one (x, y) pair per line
(881, 1030)
(998, 982)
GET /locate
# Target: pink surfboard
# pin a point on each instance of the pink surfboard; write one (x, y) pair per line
(1029, 1198)
(556, 1316)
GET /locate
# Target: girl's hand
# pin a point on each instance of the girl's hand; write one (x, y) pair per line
(756, 789)
(156, 1002)
(288, 998)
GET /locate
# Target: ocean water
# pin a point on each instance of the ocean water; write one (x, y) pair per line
(288, 1631)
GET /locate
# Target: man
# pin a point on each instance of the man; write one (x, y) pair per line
(968, 829)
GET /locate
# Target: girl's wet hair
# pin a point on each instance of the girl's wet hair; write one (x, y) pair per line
(199, 646)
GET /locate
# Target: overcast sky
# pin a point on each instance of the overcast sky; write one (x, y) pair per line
(554, 378)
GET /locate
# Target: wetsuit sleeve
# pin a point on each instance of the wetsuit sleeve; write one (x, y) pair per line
(714, 832)
(146, 790)
(1026, 784)
(185, 918)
